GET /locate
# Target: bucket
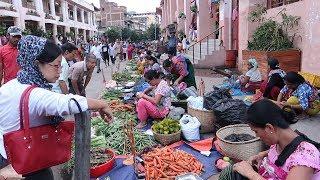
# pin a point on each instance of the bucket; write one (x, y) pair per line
(231, 57)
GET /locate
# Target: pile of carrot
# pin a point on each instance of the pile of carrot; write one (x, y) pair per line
(117, 105)
(168, 163)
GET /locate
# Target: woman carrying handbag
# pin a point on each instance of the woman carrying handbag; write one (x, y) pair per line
(29, 96)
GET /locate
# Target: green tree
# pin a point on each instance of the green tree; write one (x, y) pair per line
(126, 33)
(150, 33)
(113, 33)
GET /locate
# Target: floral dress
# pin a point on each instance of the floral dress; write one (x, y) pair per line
(306, 154)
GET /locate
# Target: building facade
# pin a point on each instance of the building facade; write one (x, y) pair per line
(61, 17)
(112, 14)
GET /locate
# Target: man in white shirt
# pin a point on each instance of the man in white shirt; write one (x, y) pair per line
(97, 50)
(62, 84)
(112, 53)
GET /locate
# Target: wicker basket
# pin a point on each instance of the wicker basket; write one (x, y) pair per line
(166, 139)
(239, 150)
(206, 118)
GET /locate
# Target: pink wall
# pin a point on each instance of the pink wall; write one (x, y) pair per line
(204, 21)
(309, 30)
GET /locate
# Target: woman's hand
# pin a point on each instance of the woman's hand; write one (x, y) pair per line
(256, 159)
(244, 168)
(106, 114)
(140, 95)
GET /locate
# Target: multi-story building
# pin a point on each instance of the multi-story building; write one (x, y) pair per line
(57, 16)
(112, 14)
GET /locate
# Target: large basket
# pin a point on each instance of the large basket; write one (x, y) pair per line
(206, 118)
(239, 150)
(166, 139)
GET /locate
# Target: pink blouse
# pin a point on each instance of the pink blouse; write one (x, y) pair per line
(305, 155)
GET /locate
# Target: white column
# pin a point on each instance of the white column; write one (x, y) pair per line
(94, 19)
(39, 5)
(65, 13)
(82, 15)
(52, 8)
(55, 32)
(84, 35)
(75, 17)
(89, 18)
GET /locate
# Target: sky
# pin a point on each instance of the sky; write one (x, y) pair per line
(139, 6)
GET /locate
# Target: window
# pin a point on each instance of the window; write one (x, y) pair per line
(278, 3)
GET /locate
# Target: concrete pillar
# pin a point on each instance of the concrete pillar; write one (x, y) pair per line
(188, 19)
(94, 19)
(165, 7)
(82, 15)
(173, 9)
(84, 35)
(204, 21)
(55, 32)
(39, 6)
(180, 8)
(65, 13)
(52, 8)
(75, 16)
(89, 18)
(226, 21)
(66, 29)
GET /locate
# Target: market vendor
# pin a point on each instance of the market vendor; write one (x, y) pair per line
(181, 69)
(252, 79)
(296, 86)
(290, 156)
(152, 63)
(275, 82)
(157, 106)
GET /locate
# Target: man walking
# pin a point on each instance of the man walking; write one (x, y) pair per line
(97, 50)
(79, 71)
(62, 85)
(112, 53)
(105, 52)
(8, 55)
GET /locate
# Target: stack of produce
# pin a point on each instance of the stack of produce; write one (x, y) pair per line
(115, 135)
(110, 95)
(117, 106)
(99, 156)
(166, 126)
(122, 77)
(168, 163)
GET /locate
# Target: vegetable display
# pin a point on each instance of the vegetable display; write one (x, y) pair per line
(116, 106)
(110, 95)
(168, 163)
(98, 156)
(122, 77)
(166, 126)
(115, 135)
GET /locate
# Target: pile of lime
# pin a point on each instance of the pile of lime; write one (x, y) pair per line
(166, 126)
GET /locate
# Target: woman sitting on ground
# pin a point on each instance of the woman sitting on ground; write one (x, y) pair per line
(296, 86)
(252, 79)
(155, 107)
(271, 88)
(271, 124)
(152, 64)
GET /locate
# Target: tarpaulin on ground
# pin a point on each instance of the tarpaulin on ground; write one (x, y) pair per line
(123, 172)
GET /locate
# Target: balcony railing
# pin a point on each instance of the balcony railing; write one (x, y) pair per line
(278, 3)
(33, 13)
(7, 1)
(10, 8)
(28, 4)
(49, 16)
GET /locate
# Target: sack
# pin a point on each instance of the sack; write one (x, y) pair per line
(175, 113)
(36, 148)
(230, 111)
(212, 97)
(190, 127)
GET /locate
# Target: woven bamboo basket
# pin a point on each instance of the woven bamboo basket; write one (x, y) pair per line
(166, 139)
(239, 150)
(206, 118)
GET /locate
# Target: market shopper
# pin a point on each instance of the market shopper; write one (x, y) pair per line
(275, 82)
(297, 86)
(290, 156)
(97, 51)
(252, 79)
(155, 107)
(112, 53)
(181, 69)
(130, 50)
(105, 53)
(152, 63)
(8, 55)
(80, 75)
(40, 62)
(69, 52)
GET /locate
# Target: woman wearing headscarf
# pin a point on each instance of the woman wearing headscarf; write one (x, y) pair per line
(40, 62)
(275, 82)
(252, 79)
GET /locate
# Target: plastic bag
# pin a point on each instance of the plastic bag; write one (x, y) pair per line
(190, 127)
(176, 113)
(140, 86)
(212, 97)
(230, 111)
(195, 102)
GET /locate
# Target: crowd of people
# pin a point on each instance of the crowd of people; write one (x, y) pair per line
(62, 72)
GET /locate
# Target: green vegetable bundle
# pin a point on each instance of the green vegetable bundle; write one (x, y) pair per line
(115, 136)
(110, 95)
(166, 126)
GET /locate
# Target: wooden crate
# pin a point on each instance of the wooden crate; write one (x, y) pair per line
(290, 60)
